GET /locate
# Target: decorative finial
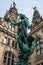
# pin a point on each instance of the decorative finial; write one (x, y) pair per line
(14, 4)
(10, 6)
(34, 8)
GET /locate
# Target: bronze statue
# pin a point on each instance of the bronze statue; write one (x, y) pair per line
(26, 43)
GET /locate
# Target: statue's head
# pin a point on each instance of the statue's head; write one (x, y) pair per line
(26, 20)
(22, 16)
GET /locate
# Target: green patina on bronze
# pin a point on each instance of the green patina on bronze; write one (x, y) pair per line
(26, 43)
(14, 4)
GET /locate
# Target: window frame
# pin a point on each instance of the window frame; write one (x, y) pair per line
(8, 59)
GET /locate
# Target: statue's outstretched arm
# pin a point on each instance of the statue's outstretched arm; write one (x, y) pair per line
(12, 22)
(15, 23)
(27, 23)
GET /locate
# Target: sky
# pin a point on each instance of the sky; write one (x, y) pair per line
(23, 6)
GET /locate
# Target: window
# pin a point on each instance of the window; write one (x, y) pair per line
(13, 43)
(37, 41)
(6, 40)
(39, 46)
(38, 52)
(8, 58)
(41, 50)
(11, 27)
(41, 39)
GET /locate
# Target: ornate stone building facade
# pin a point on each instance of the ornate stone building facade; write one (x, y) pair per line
(37, 31)
(9, 48)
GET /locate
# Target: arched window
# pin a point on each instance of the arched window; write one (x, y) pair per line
(8, 58)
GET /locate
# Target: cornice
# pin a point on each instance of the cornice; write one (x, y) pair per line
(7, 32)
